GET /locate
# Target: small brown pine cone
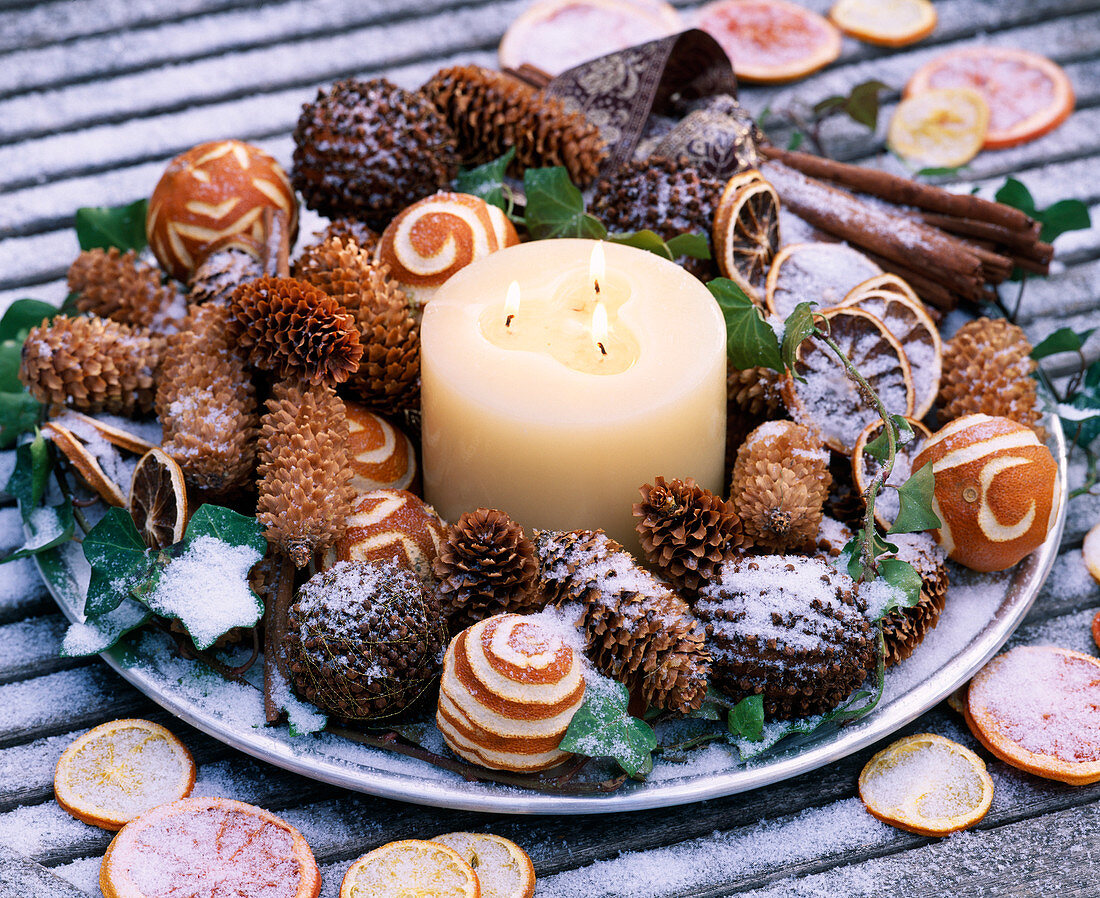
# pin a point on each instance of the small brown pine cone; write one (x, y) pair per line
(113, 285)
(295, 330)
(637, 630)
(490, 112)
(903, 630)
(346, 273)
(987, 369)
(486, 566)
(752, 397)
(388, 379)
(305, 492)
(207, 405)
(92, 365)
(780, 481)
(349, 230)
(686, 531)
(220, 273)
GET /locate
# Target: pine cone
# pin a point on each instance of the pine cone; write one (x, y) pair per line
(788, 629)
(780, 481)
(637, 630)
(844, 502)
(368, 149)
(486, 566)
(92, 365)
(987, 369)
(113, 285)
(294, 329)
(490, 112)
(667, 197)
(686, 531)
(305, 492)
(220, 273)
(350, 231)
(752, 397)
(346, 272)
(904, 629)
(207, 405)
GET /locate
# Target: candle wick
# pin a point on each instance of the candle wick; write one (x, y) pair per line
(508, 320)
(602, 350)
(597, 283)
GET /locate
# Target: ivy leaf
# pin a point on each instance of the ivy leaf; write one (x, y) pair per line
(22, 315)
(1056, 219)
(798, 326)
(903, 578)
(119, 558)
(49, 526)
(861, 104)
(106, 226)
(226, 525)
(853, 549)
(1065, 339)
(917, 495)
(19, 413)
(647, 240)
(555, 207)
(28, 479)
(715, 706)
(750, 340)
(694, 246)
(1084, 427)
(487, 181)
(602, 728)
(98, 634)
(746, 718)
(879, 447)
(941, 171)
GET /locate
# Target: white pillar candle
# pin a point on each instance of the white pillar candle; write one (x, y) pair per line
(556, 405)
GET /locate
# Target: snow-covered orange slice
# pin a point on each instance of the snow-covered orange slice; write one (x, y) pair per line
(746, 232)
(888, 23)
(942, 128)
(821, 273)
(865, 467)
(1090, 552)
(502, 867)
(411, 867)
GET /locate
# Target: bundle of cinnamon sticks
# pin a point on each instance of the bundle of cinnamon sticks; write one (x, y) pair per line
(947, 246)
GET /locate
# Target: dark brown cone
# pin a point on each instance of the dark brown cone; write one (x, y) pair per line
(350, 231)
(749, 610)
(658, 194)
(388, 379)
(113, 285)
(780, 481)
(903, 630)
(752, 397)
(92, 365)
(486, 566)
(490, 112)
(305, 493)
(296, 330)
(346, 272)
(637, 630)
(368, 149)
(987, 369)
(220, 273)
(207, 405)
(687, 531)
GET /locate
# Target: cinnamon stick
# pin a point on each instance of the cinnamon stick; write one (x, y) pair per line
(900, 190)
(1021, 244)
(931, 293)
(276, 608)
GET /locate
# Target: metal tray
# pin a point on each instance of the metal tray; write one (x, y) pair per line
(982, 612)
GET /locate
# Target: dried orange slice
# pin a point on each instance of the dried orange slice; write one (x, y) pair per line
(1035, 707)
(85, 463)
(121, 769)
(770, 41)
(907, 320)
(116, 436)
(158, 499)
(502, 867)
(746, 232)
(1027, 94)
(926, 784)
(209, 846)
(1090, 552)
(827, 400)
(888, 23)
(865, 467)
(411, 867)
(889, 281)
(1096, 629)
(942, 128)
(823, 273)
(555, 35)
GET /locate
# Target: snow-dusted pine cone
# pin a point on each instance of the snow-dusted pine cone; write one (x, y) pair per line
(115, 285)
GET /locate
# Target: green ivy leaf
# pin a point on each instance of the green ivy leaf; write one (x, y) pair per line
(861, 104)
(694, 246)
(917, 495)
(487, 181)
(68, 307)
(28, 479)
(1056, 219)
(750, 341)
(22, 315)
(1083, 428)
(795, 141)
(798, 326)
(648, 240)
(98, 634)
(120, 561)
(715, 706)
(853, 549)
(879, 447)
(903, 578)
(19, 413)
(941, 171)
(602, 728)
(106, 226)
(49, 526)
(555, 207)
(746, 718)
(1065, 339)
(226, 525)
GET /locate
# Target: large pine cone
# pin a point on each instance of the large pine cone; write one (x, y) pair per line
(789, 629)
(368, 149)
(491, 112)
(637, 631)
(904, 629)
(113, 285)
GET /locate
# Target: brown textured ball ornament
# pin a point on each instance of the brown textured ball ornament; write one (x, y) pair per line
(213, 197)
(509, 689)
(364, 640)
(392, 525)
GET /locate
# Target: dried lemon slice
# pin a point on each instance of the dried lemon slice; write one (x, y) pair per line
(926, 784)
(823, 273)
(502, 867)
(121, 769)
(746, 231)
(411, 867)
(827, 400)
(158, 499)
(1034, 707)
(209, 846)
(865, 467)
(939, 128)
(888, 23)
(1090, 551)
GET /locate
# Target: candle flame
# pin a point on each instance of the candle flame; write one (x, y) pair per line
(599, 327)
(511, 303)
(597, 266)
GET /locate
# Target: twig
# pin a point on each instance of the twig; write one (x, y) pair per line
(276, 607)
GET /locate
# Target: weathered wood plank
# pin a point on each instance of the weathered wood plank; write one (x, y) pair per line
(21, 877)
(31, 647)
